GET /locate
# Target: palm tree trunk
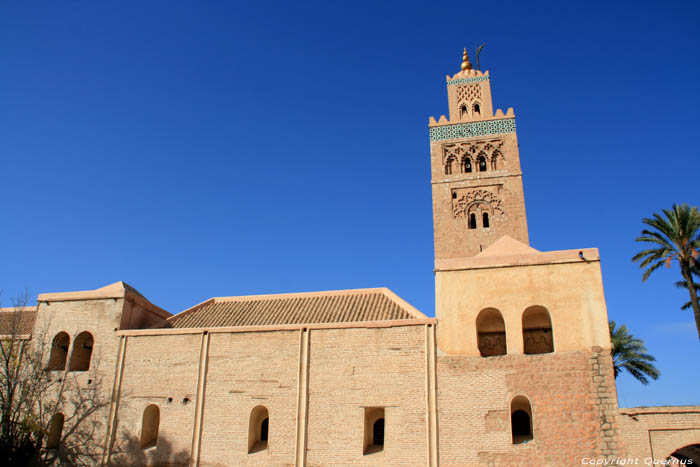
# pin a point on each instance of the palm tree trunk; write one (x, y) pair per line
(685, 270)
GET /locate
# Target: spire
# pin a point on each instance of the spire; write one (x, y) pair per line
(465, 61)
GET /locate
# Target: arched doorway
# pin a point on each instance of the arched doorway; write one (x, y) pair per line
(685, 455)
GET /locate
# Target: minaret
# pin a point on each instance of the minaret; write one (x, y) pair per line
(476, 176)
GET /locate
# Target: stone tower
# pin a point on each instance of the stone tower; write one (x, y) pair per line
(476, 176)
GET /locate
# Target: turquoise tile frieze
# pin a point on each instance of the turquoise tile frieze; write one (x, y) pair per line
(475, 79)
(467, 130)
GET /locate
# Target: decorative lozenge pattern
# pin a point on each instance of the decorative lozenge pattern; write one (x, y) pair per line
(467, 130)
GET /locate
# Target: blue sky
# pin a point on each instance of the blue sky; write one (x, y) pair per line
(209, 149)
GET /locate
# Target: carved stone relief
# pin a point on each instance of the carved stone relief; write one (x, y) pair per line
(467, 201)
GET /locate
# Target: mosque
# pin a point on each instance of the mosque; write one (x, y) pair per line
(515, 368)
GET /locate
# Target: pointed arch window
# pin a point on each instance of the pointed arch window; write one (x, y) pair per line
(82, 352)
(477, 108)
(521, 420)
(258, 429)
(59, 352)
(463, 111)
(472, 221)
(466, 164)
(482, 163)
(485, 219)
(150, 424)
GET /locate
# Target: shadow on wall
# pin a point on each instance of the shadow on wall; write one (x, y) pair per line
(129, 452)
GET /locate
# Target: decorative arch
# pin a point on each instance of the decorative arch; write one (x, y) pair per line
(450, 165)
(150, 424)
(538, 337)
(491, 333)
(476, 201)
(496, 159)
(82, 352)
(521, 420)
(55, 431)
(258, 429)
(59, 351)
(477, 108)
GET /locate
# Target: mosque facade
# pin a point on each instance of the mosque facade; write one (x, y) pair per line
(514, 369)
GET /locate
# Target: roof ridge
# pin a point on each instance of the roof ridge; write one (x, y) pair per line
(319, 293)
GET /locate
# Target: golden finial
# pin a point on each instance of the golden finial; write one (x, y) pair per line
(465, 61)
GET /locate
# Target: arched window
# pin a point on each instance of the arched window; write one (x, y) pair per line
(463, 111)
(472, 221)
(59, 352)
(466, 165)
(378, 432)
(482, 163)
(521, 419)
(264, 427)
(149, 426)
(55, 431)
(82, 352)
(537, 331)
(491, 333)
(477, 108)
(258, 430)
(485, 219)
(374, 430)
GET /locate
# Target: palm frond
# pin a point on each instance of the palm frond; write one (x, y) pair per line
(630, 354)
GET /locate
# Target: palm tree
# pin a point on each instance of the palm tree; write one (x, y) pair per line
(694, 271)
(629, 354)
(676, 236)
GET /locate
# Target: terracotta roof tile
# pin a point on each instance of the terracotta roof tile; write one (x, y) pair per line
(17, 321)
(340, 306)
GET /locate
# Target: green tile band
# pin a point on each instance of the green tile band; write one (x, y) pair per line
(467, 130)
(475, 79)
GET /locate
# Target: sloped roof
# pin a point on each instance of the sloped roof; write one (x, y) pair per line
(506, 246)
(17, 321)
(339, 306)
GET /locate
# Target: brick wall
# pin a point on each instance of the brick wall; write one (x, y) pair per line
(656, 432)
(156, 369)
(246, 370)
(348, 369)
(474, 396)
(351, 369)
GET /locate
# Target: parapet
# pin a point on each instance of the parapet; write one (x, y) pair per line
(498, 115)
